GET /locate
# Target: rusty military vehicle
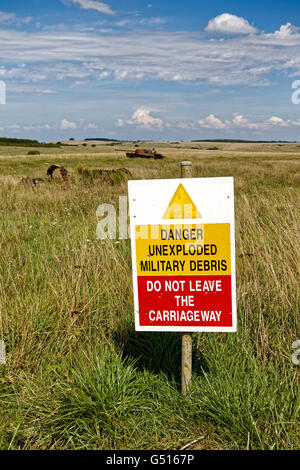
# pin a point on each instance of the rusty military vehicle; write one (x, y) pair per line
(144, 153)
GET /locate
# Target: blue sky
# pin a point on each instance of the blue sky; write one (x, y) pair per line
(151, 69)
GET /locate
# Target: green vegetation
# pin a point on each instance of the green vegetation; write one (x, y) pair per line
(5, 141)
(108, 176)
(78, 376)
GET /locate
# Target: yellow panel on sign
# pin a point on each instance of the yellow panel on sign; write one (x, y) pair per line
(183, 249)
(181, 206)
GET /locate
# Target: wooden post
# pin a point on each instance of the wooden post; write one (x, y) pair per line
(186, 169)
(186, 339)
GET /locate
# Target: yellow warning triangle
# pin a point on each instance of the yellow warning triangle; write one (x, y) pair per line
(181, 206)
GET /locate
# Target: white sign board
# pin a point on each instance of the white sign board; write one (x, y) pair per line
(183, 254)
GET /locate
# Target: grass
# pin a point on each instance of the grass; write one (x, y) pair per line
(78, 376)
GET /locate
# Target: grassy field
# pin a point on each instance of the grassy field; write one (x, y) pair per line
(78, 376)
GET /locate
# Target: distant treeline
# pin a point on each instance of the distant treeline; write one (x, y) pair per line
(246, 141)
(26, 143)
(101, 139)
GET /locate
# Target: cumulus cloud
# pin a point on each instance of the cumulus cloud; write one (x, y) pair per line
(240, 121)
(120, 74)
(94, 5)
(65, 124)
(212, 122)
(142, 118)
(230, 24)
(276, 121)
(286, 30)
(103, 75)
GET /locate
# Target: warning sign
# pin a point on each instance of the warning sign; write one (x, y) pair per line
(182, 235)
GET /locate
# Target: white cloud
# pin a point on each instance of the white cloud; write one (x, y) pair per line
(13, 127)
(142, 118)
(65, 124)
(47, 91)
(39, 128)
(276, 121)
(229, 24)
(6, 17)
(120, 74)
(121, 122)
(95, 5)
(286, 30)
(240, 121)
(212, 122)
(165, 56)
(26, 20)
(187, 125)
(135, 22)
(123, 22)
(153, 21)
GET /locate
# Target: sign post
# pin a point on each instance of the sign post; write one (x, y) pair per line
(186, 339)
(183, 257)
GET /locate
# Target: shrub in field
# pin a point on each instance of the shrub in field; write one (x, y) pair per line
(112, 177)
(115, 177)
(33, 152)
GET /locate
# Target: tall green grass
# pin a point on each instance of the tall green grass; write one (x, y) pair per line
(79, 377)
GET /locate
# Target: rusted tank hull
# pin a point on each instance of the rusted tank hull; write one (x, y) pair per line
(141, 153)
